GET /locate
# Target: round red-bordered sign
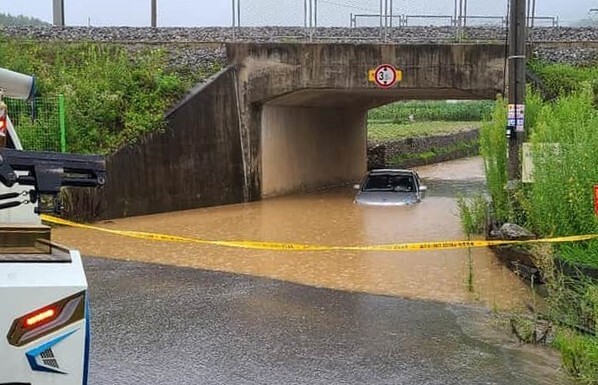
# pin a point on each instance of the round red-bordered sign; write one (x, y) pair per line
(385, 76)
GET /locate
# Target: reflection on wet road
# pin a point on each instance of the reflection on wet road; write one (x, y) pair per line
(331, 218)
(154, 324)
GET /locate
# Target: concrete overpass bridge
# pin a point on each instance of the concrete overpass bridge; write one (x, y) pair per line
(282, 118)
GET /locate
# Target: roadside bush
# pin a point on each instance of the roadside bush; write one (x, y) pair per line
(560, 202)
(562, 79)
(565, 143)
(473, 214)
(493, 147)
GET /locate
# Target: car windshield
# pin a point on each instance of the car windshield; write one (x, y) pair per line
(395, 183)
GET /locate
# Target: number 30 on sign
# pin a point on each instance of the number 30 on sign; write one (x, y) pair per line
(385, 76)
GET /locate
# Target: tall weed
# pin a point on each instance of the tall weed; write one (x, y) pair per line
(113, 95)
(493, 147)
(565, 149)
(473, 213)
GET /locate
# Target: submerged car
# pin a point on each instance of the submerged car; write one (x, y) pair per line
(390, 187)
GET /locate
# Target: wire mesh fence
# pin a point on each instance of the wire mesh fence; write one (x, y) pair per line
(41, 124)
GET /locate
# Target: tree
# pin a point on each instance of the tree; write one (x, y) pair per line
(8, 19)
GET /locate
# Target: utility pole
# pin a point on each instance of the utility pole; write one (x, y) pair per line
(154, 13)
(234, 20)
(455, 15)
(516, 71)
(58, 13)
(305, 14)
(236, 10)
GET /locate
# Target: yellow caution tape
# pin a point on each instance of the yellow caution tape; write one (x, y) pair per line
(277, 246)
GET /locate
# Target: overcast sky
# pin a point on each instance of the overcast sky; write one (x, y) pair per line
(265, 12)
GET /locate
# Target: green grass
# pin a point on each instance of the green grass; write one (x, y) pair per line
(433, 111)
(112, 95)
(580, 355)
(385, 131)
(473, 211)
(560, 202)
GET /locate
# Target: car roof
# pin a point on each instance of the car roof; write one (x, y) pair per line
(390, 171)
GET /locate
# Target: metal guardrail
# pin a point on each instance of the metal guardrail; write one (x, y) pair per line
(406, 18)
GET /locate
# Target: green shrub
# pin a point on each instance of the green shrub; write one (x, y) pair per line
(113, 95)
(565, 144)
(559, 202)
(473, 213)
(493, 147)
(579, 355)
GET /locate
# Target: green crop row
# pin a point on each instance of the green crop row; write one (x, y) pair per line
(401, 112)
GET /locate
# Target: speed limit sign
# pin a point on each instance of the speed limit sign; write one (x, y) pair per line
(385, 76)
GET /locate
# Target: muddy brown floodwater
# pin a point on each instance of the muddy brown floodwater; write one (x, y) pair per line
(330, 218)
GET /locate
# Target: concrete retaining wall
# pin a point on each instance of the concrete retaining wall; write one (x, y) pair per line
(196, 161)
(412, 152)
(309, 148)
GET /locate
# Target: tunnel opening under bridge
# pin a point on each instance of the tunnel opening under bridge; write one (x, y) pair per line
(318, 138)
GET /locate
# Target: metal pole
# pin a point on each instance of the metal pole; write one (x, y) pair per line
(234, 21)
(154, 14)
(315, 13)
(533, 19)
(460, 21)
(311, 21)
(58, 13)
(310, 14)
(61, 113)
(391, 13)
(516, 69)
(239, 13)
(385, 17)
(386, 8)
(465, 17)
(304, 13)
(455, 14)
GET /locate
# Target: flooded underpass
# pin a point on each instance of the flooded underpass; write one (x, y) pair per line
(271, 317)
(331, 218)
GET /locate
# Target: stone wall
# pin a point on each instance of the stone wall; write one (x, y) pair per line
(412, 152)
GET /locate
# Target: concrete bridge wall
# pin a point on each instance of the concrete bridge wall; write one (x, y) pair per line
(283, 118)
(304, 105)
(196, 161)
(305, 148)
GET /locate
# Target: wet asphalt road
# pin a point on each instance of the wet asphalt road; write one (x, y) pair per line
(157, 324)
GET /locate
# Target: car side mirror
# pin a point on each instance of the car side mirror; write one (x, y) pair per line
(356, 187)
